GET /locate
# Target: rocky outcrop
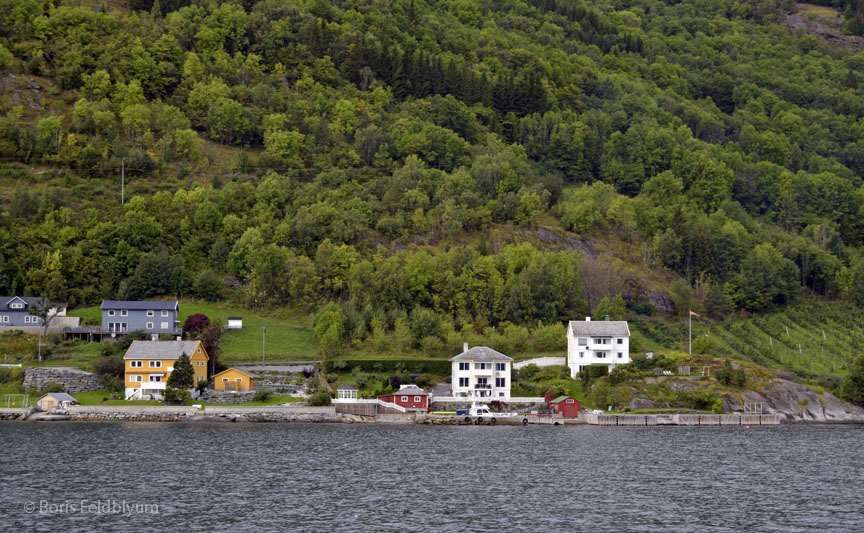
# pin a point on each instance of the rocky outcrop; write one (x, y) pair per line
(795, 403)
(827, 29)
(547, 236)
(660, 301)
(73, 379)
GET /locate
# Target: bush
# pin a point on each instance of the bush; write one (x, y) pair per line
(591, 373)
(729, 375)
(196, 323)
(550, 338)
(424, 380)
(262, 395)
(110, 366)
(177, 396)
(113, 384)
(52, 386)
(622, 373)
(529, 371)
(320, 398)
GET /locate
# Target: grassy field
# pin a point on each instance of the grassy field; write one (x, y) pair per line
(96, 398)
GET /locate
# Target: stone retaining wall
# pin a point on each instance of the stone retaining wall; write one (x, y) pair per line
(73, 379)
(131, 412)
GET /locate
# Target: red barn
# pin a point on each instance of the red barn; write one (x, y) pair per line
(409, 397)
(565, 406)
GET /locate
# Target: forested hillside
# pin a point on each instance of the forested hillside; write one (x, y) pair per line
(399, 157)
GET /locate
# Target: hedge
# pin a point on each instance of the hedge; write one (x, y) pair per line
(414, 366)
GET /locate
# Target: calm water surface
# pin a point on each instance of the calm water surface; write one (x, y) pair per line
(323, 477)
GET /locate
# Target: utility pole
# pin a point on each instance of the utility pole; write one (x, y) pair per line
(263, 337)
(122, 182)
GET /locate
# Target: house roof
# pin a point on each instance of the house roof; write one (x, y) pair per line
(142, 305)
(599, 328)
(481, 354)
(253, 376)
(31, 301)
(559, 399)
(235, 318)
(160, 349)
(59, 396)
(409, 390)
(346, 387)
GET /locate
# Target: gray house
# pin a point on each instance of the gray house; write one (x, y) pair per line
(157, 318)
(16, 311)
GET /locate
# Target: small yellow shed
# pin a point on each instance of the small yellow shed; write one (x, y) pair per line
(234, 380)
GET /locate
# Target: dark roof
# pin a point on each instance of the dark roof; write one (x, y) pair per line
(59, 396)
(139, 305)
(160, 349)
(599, 328)
(559, 399)
(410, 390)
(346, 387)
(481, 354)
(235, 318)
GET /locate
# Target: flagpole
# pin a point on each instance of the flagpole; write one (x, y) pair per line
(690, 348)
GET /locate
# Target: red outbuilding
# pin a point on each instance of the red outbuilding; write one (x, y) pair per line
(409, 397)
(566, 406)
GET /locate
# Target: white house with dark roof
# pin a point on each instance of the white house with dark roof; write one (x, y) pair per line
(154, 317)
(481, 372)
(599, 342)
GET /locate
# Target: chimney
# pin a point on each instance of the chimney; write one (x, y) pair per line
(464, 347)
(587, 319)
(607, 318)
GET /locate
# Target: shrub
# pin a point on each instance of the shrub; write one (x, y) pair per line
(113, 384)
(262, 395)
(52, 386)
(591, 373)
(729, 375)
(320, 398)
(550, 338)
(196, 323)
(177, 396)
(424, 380)
(109, 366)
(528, 372)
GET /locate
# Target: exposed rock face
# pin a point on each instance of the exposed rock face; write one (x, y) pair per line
(73, 379)
(826, 29)
(641, 403)
(660, 301)
(796, 403)
(548, 236)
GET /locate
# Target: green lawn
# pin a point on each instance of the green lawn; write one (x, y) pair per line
(275, 400)
(95, 398)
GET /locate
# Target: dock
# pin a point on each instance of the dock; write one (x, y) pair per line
(680, 420)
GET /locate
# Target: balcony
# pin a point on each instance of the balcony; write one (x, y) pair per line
(482, 386)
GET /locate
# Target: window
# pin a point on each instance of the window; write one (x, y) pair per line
(417, 399)
(155, 364)
(136, 364)
(569, 400)
(482, 366)
(620, 355)
(501, 366)
(224, 380)
(5, 318)
(110, 312)
(17, 305)
(151, 313)
(27, 319)
(601, 340)
(600, 355)
(463, 382)
(124, 312)
(404, 398)
(583, 342)
(464, 366)
(149, 325)
(155, 378)
(136, 379)
(164, 325)
(581, 368)
(238, 380)
(165, 312)
(500, 382)
(581, 355)
(620, 341)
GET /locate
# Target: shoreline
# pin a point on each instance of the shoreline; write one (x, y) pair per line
(280, 414)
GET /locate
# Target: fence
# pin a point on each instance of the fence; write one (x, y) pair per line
(541, 362)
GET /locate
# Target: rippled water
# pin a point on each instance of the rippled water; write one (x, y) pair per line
(320, 477)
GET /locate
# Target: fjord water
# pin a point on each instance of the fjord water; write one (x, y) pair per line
(324, 477)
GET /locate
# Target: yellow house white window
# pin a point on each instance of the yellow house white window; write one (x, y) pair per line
(136, 364)
(136, 379)
(238, 380)
(155, 364)
(155, 378)
(224, 380)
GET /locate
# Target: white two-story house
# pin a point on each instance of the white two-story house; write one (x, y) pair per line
(481, 372)
(601, 342)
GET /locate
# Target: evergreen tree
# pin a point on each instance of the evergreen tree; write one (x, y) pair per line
(183, 375)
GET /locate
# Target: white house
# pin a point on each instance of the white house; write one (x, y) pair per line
(602, 342)
(481, 372)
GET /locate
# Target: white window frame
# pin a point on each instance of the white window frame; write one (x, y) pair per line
(502, 381)
(110, 312)
(136, 379)
(149, 325)
(27, 319)
(417, 399)
(464, 366)
(501, 367)
(155, 364)
(136, 364)
(404, 398)
(154, 378)
(620, 355)
(163, 325)
(17, 305)
(165, 312)
(464, 382)
(124, 312)
(224, 380)
(238, 380)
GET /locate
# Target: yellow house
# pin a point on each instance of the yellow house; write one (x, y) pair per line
(234, 380)
(149, 363)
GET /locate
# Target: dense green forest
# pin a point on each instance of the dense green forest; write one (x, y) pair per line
(397, 157)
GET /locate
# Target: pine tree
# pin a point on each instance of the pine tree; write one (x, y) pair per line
(183, 375)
